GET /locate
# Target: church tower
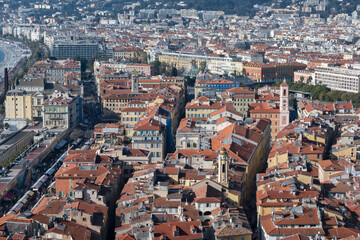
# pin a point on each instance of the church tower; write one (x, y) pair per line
(223, 168)
(134, 83)
(284, 105)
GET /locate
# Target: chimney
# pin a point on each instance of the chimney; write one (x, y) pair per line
(6, 81)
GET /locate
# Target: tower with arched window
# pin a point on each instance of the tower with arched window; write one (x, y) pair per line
(284, 105)
(223, 167)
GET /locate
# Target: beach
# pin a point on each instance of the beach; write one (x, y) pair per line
(14, 53)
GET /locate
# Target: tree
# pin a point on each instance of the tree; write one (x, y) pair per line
(190, 81)
(309, 79)
(202, 66)
(233, 74)
(332, 95)
(156, 65)
(344, 97)
(174, 72)
(88, 134)
(75, 134)
(302, 79)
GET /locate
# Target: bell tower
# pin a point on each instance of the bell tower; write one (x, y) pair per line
(134, 83)
(223, 168)
(284, 105)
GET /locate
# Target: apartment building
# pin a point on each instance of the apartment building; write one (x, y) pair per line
(131, 115)
(250, 57)
(109, 133)
(202, 107)
(62, 110)
(21, 107)
(18, 104)
(141, 68)
(298, 220)
(216, 64)
(56, 71)
(124, 52)
(150, 134)
(71, 49)
(305, 76)
(345, 79)
(67, 179)
(241, 97)
(212, 87)
(270, 72)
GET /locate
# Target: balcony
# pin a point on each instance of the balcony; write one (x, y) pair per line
(56, 118)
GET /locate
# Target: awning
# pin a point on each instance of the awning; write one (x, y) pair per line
(31, 193)
(50, 171)
(37, 185)
(61, 144)
(24, 200)
(16, 208)
(44, 178)
(39, 182)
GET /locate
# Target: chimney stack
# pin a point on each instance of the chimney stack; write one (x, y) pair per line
(6, 81)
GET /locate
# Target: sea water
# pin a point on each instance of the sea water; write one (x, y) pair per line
(1, 56)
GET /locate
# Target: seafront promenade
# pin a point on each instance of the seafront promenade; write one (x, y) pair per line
(14, 54)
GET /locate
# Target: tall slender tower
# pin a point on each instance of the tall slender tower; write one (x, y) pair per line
(6, 81)
(284, 105)
(223, 168)
(134, 83)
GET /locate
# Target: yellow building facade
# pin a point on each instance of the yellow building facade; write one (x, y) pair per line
(18, 104)
(277, 159)
(237, 67)
(345, 152)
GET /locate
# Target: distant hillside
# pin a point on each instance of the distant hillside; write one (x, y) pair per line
(240, 7)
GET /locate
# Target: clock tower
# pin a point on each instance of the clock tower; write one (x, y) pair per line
(284, 105)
